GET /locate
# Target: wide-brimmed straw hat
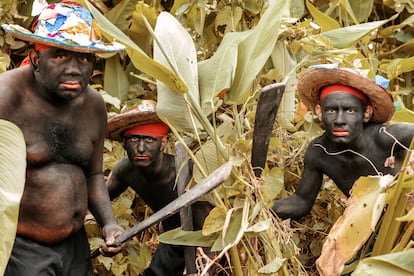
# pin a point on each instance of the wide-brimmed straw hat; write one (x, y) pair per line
(65, 25)
(138, 114)
(311, 82)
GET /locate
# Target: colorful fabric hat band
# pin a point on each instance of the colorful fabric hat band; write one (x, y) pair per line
(153, 129)
(342, 88)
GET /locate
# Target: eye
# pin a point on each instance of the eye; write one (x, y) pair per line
(149, 139)
(133, 139)
(329, 110)
(86, 59)
(350, 111)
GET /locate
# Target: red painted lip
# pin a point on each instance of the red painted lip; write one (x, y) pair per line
(141, 157)
(71, 85)
(340, 132)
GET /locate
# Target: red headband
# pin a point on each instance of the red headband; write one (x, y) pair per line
(41, 47)
(38, 47)
(153, 129)
(342, 88)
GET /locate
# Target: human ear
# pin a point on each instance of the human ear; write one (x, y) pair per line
(318, 111)
(34, 60)
(368, 113)
(164, 141)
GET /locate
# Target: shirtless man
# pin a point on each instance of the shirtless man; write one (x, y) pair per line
(151, 173)
(356, 142)
(63, 121)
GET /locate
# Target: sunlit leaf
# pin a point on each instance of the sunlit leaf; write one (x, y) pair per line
(214, 221)
(273, 267)
(400, 263)
(217, 73)
(326, 22)
(175, 49)
(12, 180)
(254, 51)
(361, 9)
(138, 57)
(352, 229)
(138, 31)
(231, 232)
(397, 66)
(189, 238)
(347, 36)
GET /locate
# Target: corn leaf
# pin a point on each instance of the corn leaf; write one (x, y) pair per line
(254, 51)
(347, 36)
(12, 179)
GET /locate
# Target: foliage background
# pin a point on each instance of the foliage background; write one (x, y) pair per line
(235, 53)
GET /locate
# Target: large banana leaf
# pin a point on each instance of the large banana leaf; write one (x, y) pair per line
(138, 57)
(175, 49)
(12, 179)
(254, 51)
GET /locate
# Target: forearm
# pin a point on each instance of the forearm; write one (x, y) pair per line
(99, 202)
(292, 207)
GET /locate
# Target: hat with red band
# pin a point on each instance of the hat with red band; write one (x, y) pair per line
(313, 81)
(65, 25)
(140, 119)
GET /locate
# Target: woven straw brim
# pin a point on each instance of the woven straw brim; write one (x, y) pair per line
(119, 123)
(312, 81)
(95, 49)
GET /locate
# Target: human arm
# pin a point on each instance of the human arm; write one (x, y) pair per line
(300, 203)
(116, 183)
(98, 197)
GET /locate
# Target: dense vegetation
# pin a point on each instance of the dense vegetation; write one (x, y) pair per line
(205, 62)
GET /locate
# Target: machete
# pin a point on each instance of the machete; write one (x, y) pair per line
(203, 187)
(266, 111)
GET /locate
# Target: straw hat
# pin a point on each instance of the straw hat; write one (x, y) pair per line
(312, 81)
(140, 114)
(65, 25)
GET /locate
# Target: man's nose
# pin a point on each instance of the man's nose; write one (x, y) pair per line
(340, 117)
(141, 145)
(73, 66)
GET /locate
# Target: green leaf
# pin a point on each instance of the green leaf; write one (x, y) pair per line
(326, 22)
(361, 9)
(400, 264)
(189, 238)
(347, 36)
(175, 49)
(12, 180)
(397, 66)
(254, 51)
(216, 73)
(273, 267)
(115, 79)
(121, 13)
(138, 57)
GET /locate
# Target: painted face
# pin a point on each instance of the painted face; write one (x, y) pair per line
(63, 73)
(142, 150)
(343, 117)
